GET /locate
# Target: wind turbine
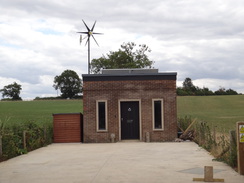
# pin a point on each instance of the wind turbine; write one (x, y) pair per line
(89, 34)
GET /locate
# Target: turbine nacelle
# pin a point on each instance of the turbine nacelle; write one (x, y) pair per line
(89, 32)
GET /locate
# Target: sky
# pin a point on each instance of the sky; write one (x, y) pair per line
(202, 40)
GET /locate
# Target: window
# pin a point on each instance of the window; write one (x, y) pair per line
(101, 115)
(158, 114)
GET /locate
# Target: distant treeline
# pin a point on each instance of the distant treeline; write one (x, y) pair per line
(58, 98)
(188, 89)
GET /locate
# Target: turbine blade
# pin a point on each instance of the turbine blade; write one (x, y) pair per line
(88, 39)
(83, 32)
(96, 33)
(93, 26)
(86, 26)
(95, 40)
(80, 39)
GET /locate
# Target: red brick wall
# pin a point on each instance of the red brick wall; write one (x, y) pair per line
(145, 91)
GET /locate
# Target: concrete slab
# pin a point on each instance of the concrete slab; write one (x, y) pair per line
(117, 162)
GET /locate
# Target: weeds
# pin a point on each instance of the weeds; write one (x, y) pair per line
(12, 138)
(2, 125)
(183, 123)
(220, 146)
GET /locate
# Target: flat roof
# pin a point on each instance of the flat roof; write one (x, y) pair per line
(129, 71)
(130, 76)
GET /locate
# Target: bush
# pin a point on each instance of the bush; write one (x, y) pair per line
(36, 136)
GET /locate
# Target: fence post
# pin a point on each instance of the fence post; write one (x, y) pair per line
(240, 146)
(233, 148)
(44, 136)
(24, 139)
(214, 134)
(1, 146)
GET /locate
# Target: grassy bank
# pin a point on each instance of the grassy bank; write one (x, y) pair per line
(37, 111)
(220, 111)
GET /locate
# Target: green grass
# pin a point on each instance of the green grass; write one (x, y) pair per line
(37, 111)
(220, 111)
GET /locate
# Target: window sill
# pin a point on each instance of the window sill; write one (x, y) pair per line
(102, 131)
(158, 130)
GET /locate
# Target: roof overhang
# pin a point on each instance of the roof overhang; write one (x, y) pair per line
(130, 77)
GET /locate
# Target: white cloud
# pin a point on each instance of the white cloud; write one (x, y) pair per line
(198, 39)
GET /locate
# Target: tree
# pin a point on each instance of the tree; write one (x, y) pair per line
(188, 87)
(12, 91)
(126, 57)
(220, 91)
(203, 91)
(181, 92)
(68, 83)
(223, 91)
(231, 92)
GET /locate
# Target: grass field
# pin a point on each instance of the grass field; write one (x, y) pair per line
(220, 111)
(37, 111)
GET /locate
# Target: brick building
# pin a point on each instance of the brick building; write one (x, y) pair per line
(129, 104)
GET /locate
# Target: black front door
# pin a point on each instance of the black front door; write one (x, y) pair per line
(129, 120)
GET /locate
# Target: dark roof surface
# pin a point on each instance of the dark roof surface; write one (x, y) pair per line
(130, 76)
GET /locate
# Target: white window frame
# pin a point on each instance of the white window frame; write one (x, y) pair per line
(162, 115)
(106, 116)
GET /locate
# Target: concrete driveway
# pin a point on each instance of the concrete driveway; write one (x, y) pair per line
(117, 162)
